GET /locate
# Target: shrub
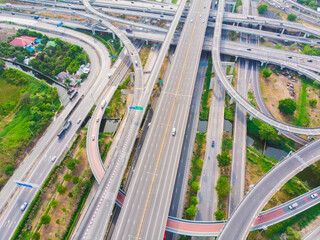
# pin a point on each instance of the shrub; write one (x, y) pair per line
(54, 203)
(224, 159)
(287, 106)
(220, 215)
(75, 180)
(194, 200)
(71, 165)
(195, 187)
(70, 194)
(292, 17)
(67, 177)
(266, 73)
(45, 219)
(262, 8)
(223, 188)
(313, 102)
(191, 211)
(61, 189)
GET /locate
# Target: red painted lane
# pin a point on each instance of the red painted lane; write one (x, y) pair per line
(195, 227)
(304, 198)
(120, 197)
(269, 216)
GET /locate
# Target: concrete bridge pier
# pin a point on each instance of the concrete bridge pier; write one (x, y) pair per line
(55, 15)
(282, 31)
(260, 26)
(250, 117)
(236, 58)
(113, 35)
(131, 78)
(279, 132)
(262, 63)
(147, 42)
(231, 101)
(93, 30)
(121, 44)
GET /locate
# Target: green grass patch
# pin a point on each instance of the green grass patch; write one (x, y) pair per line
(229, 109)
(174, 1)
(251, 99)
(238, 3)
(205, 107)
(33, 104)
(302, 119)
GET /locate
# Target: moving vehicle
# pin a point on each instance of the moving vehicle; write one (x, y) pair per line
(23, 206)
(293, 205)
(73, 96)
(129, 30)
(97, 120)
(92, 137)
(315, 195)
(65, 127)
(173, 131)
(136, 62)
(54, 159)
(212, 144)
(103, 104)
(79, 121)
(36, 17)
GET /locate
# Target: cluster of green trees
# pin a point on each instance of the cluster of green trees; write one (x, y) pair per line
(195, 170)
(205, 108)
(52, 60)
(287, 106)
(63, 57)
(311, 50)
(266, 73)
(263, 8)
(35, 106)
(311, 3)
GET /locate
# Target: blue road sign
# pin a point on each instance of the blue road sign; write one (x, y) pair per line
(24, 184)
(59, 24)
(132, 107)
(112, 57)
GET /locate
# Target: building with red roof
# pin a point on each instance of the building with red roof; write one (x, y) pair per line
(23, 41)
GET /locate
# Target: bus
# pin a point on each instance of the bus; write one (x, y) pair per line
(73, 96)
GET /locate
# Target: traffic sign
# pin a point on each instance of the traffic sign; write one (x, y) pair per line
(112, 57)
(161, 81)
(59, 24)
(155, 45)
(139, 108)
(131, 107)
(29, 185)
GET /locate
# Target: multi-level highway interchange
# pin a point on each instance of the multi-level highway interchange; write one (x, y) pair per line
(154, 200)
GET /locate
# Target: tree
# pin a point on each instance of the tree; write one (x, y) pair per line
(71, 165)
(191, 211)
(54, 203)
(2, 65)
(67, 177)
(61, 189)
(223, 188)
(262, 8)
(84, 75)
(287, 106)
(45, 219)
(224, 159)
(313, 102)
(266, 73)
(194, 200)
(195, 187)
(266, 132)
(75, 180)
(292, 17)
(220, 215)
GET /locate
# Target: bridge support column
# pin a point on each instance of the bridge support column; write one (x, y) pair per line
(250, 117)
(279, 132)
(282, 31)
(260, 27)
(113, 36)
(261, 63)
(236, 58)
(72, 17)
(231, 101)
(310, 138)
(121, 44)
(88, 20)
(281, 67)
(147, 42)
(233, 7)
(93, 30)
(55, 15)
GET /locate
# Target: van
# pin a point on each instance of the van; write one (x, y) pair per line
(173, 131)
(97, 120)
(293, 205)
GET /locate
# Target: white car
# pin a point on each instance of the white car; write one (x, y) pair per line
(293, 205)
(79, 121)
(92, 137)
(54, 159)
(97, 120)
(315, 195)
(23, 206)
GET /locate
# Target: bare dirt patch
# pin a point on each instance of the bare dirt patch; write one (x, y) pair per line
(314, 112)
(274, 89)
(5, 33)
